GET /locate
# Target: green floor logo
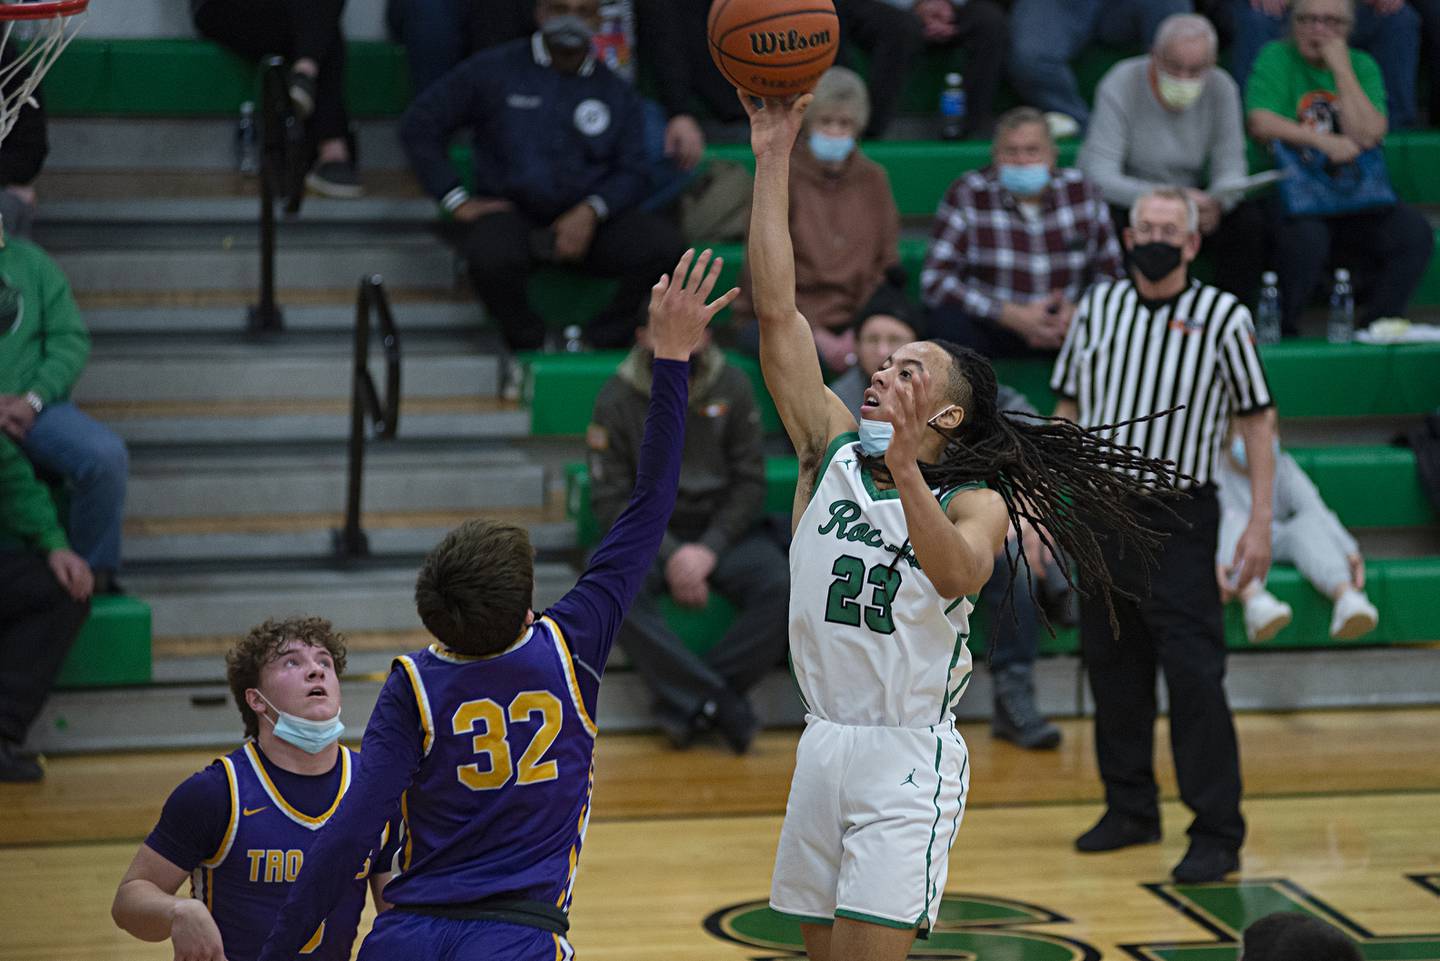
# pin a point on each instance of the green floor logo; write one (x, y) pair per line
(975, 927)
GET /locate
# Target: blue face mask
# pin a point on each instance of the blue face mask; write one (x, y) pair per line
(311, 737)
(875, 436)
(1237, 451)
(1024, 180)
(828, 149)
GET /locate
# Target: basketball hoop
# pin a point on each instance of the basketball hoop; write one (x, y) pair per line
(48, 27)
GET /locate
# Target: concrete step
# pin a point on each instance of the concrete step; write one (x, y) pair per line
(363, 19)
(371, 599)
(405, 264)
(197, 710)
(173, 143)
(258, 484)
(288, 420)
(392, 534)
(125, 322)
(63, 222)
(136, 370)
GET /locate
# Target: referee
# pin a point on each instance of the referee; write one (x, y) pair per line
(1138, 347)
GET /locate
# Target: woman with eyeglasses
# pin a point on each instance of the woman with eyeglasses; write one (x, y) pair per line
(1313, 92)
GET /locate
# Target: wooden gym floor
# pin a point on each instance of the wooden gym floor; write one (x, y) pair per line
(1343, 806)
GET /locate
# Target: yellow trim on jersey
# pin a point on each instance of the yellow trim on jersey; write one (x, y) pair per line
(422, 702)
(299, 817)
(565, 659)
(230, 829)
(455, 657)
(210, 890)
(409, 835)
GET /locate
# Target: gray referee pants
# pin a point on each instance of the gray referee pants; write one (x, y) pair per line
(1174, 625)
(754, 575)
(1306, 539)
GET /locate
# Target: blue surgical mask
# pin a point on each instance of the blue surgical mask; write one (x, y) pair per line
(875, 436)
(309, 736)
(828, 149)
(1237, 451)
(1024, 180)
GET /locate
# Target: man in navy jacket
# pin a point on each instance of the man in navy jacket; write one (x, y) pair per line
(559, 170)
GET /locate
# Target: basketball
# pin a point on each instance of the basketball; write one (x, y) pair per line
(773, 48)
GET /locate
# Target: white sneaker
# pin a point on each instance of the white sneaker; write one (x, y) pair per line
(1062, 125)
(1265, 616)
(1354, 616)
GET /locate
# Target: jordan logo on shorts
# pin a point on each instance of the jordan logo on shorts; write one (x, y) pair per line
(910, 778)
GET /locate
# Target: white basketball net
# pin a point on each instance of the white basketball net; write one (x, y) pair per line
(40, 41)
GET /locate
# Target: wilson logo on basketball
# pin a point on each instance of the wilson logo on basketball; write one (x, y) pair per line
(767, 42)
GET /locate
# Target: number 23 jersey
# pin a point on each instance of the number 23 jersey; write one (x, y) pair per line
(871, 640)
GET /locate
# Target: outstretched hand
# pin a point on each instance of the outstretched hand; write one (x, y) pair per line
(908, 418)
(679, 313)
(774, 127)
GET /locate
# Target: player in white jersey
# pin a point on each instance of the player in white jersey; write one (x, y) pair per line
(895, 524)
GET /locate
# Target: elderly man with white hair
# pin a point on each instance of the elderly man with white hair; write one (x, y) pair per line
(1172, 117)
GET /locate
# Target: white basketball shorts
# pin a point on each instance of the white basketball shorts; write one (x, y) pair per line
(871, 817)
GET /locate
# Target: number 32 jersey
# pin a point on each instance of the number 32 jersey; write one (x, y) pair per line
(871, 640)
(501, 799)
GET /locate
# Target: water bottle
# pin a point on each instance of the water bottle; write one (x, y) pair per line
(1267, 314)
(1341, 328)
(247, 141)
(952, 108)
(573, 342)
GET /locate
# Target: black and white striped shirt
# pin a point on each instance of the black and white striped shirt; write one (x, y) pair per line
(1123, 359)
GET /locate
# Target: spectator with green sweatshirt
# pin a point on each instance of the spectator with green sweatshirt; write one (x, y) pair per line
(43, 348)
(44, 599)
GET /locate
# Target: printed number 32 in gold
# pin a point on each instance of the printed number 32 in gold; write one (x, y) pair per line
(492, 743)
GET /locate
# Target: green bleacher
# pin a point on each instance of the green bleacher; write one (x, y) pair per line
(1368, 486)
(1365, 486)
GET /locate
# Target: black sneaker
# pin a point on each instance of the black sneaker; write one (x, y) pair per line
(1015, 718)
(335, 178)
(17, 766)
(301, 87)
(733, 717)
(1205, 863)
(680, 731)
(1115, 831)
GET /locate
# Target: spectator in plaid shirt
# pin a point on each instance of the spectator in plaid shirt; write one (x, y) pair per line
(1014, 245)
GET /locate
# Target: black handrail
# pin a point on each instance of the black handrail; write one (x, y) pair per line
(366, 403)
(281, 175)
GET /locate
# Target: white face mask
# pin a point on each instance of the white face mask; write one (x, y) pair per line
(1178, 94)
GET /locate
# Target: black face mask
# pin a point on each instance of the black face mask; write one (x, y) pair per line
(1155, 260)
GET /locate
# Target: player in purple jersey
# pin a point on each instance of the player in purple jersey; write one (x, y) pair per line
(241, 828)
(485, 740)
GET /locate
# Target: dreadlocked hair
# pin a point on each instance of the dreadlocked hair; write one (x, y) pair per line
(1064, 479)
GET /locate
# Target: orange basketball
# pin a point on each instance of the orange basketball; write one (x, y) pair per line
(773, 48)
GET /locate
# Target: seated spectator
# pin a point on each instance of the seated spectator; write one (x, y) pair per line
(978, 28)
(40, 360)
(1173, 119)
(1014, 246)
(44, 603)
(1388, 30)
(1295, 936)
(1313, 92)
(886, 323)
(1305, 533)
(843, 219)
(307, 34)
(26, 147)
(1052, 33)
(716, 540)
(559, 167)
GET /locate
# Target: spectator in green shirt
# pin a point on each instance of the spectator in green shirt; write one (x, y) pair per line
(44, 599)
(1313, 92)
(43, 348)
